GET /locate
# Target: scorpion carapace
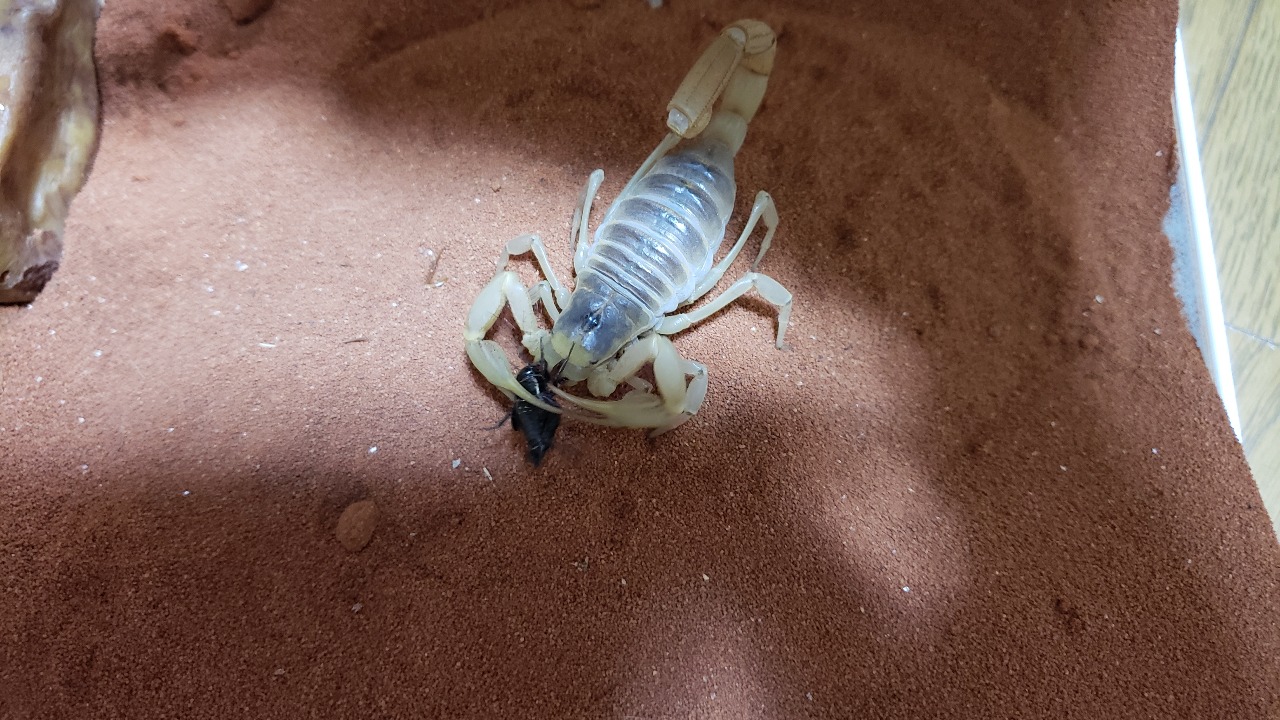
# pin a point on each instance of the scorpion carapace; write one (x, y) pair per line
(652, 256)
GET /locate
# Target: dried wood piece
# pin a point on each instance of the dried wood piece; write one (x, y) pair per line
(49, 129)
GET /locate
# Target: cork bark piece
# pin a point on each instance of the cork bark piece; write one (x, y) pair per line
(49, 125)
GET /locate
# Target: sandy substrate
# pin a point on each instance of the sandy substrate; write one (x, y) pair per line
(989, 478)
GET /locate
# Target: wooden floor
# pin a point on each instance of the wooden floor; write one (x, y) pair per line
(1233, 57)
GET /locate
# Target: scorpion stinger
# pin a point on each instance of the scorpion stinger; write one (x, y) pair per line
(737, 67)
(652, 255)
(743, 53)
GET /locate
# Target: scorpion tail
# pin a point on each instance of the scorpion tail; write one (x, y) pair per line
(735, 70)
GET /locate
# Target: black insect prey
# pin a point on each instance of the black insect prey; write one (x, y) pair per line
(538, 425)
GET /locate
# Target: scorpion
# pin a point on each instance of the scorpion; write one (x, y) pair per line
(651, 256)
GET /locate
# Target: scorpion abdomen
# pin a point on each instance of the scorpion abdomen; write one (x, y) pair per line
(659, 239)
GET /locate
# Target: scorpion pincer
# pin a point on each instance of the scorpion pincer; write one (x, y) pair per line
(651, 256)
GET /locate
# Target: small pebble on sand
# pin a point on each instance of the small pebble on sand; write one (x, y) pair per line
(355, 527)
(244, 12)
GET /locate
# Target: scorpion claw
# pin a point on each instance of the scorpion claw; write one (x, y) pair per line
(636, 409)
(491, 360)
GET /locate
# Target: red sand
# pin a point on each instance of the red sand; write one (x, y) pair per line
(991, 478)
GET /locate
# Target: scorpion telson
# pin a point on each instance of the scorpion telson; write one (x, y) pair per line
(652, 256)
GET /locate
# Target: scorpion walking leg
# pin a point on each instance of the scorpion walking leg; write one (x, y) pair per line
(664, 147)
(678, 401)
(541, 292)
(578, 234)
(535, 341)
(770, 289)
(762, 209)
(532, 242)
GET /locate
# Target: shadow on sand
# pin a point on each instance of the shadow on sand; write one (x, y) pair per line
(934, 504)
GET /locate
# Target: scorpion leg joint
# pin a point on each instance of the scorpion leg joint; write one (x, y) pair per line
(768, 288)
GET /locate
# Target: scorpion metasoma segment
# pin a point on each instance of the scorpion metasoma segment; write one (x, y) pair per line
(651, 256)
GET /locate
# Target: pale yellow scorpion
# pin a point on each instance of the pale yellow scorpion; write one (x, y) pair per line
(651, 256)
